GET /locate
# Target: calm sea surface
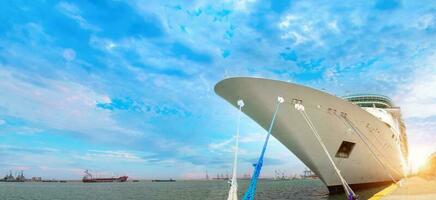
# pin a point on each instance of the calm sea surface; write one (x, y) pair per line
(180, 190)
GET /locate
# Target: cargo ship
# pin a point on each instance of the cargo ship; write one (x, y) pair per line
(89, 179)
(163, 180)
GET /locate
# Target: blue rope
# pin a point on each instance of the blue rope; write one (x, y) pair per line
(251, 191)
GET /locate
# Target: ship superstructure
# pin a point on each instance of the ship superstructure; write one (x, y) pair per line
(382, 107)
(364, 134)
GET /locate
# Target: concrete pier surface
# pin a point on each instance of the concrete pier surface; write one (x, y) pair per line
(416, 188)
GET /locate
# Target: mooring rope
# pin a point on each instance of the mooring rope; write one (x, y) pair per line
(349, 192)
(233, 192)
(251, 191)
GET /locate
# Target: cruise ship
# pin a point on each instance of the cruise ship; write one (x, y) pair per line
(363, 134)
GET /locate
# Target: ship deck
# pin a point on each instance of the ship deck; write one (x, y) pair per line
(411, 188)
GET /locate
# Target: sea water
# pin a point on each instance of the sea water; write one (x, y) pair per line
(180, 190)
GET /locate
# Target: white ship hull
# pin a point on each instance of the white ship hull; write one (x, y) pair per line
(361, 167)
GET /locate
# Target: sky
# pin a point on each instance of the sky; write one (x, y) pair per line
(126, 87)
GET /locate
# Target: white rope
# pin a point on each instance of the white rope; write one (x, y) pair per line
(347, 188)
(233, 192)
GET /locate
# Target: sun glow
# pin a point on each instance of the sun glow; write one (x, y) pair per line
(418, 158)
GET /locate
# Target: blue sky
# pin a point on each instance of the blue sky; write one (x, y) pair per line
(127, 87)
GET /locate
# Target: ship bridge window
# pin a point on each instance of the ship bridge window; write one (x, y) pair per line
(345, 149)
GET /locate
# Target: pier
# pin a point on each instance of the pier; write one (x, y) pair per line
(417, 188)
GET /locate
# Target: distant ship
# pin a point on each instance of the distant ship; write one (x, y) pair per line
(89, 179)
(163, 180)
(363, 134)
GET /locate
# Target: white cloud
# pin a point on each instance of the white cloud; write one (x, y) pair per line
(224, 146)
(76, 171)
(95, 155)
(186, 150)
(102, 43)
(331, 74)
(245, 140)
(297, 37)
(243, 5)
(333, 25)
(239, 5)
(25, 130)
(59, 105)
(33, 33)
(73, 12)
(105, 99)
(417, 98)
(37, 150)
(253, 137)
(69, 8)
(286, 21)
(69, 54)
(299, 29)
(425, 21)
